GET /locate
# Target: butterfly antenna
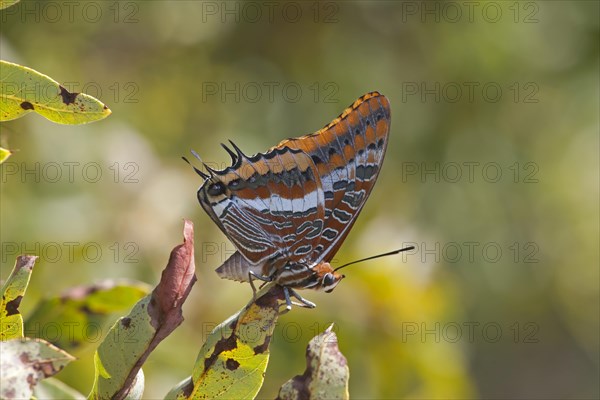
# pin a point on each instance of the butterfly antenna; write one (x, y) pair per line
(233, 156)
(196, 155)
(202, 174)
(211, 171)
(377, 256)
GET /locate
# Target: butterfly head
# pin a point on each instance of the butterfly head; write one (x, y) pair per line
(326, 278)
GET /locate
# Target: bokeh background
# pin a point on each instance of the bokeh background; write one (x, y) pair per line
(491, 171)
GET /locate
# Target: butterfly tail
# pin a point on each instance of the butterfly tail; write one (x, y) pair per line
(237, 268)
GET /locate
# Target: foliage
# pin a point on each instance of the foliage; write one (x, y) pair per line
(231, 363)
(7, 3)
(25, 90)
(233, 360)
(11, 321)
(26, 361)
(326, 375)
(4, 154)
(85, 306)
(130, 341)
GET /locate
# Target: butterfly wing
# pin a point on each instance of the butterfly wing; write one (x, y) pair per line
(348, 154)
(271, 206)
(298, 201)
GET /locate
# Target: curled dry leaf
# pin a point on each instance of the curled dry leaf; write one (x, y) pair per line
(326, 375)
(131, 340)
(175, 284)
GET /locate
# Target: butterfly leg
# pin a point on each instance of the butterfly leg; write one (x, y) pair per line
(252, 275)
(288, 300)
(303, 301)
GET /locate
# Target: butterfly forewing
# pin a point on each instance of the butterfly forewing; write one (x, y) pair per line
(348, 154)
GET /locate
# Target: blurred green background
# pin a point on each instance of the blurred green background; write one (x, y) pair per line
(491, 171)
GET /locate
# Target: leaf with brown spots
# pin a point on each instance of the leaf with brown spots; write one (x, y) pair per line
(84, 311)
(24, 90)
(11, 320)
(233, 360)
(25, 362)
(326, 375)
(130, 341)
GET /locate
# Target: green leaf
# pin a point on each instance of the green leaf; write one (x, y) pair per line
(24, 362)
(4, 154)
(82, 311)
(11, 321)
(232, 362)
(326, 375)
(52, 388)
(23, 90)
(7, 3)
(130, 341)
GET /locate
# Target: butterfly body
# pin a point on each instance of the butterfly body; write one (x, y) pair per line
(288, 210)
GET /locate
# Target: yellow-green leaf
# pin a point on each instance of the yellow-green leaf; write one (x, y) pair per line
(4, 154)
(326, 375)
(26, 361)
(7, 3)
(11, 321)
(232, 362)
(23, 90)
(82, 311)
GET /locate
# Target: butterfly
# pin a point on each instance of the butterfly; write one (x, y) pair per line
(288, 210)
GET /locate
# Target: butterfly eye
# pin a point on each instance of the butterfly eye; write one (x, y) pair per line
(328, 280)
(216, 189)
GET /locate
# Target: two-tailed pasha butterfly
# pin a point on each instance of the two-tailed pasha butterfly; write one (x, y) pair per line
(288, 210)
